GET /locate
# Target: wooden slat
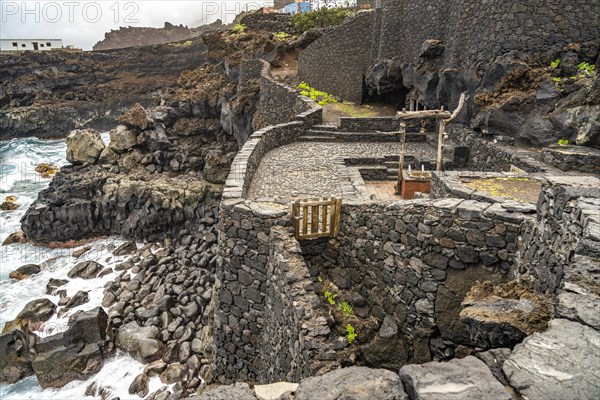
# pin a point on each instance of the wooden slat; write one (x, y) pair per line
(314, 202)
(304, 219)
(324, 219)
(338, 210)
(314, 222)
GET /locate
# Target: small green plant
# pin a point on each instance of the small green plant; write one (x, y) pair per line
(563, 142)
(587, 68)
(554, 64)
(320, 279)
(330, 297)
(345, 308)
(238, 29)
(556, 80)
(350, 333)
(320, 97)
(282, 36)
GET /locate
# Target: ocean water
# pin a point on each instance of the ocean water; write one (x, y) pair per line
(18, 159)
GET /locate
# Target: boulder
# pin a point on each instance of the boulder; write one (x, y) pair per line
(39, 310)
(122, 139)
(503, 315)
(54, 284)
(136, 117)
(216, 166)
(81, 297)
(459, 379)
(62, 365)
(174, 373)
(85, 270)
(561, 363)
(88, 327)
(15, 237)
(17, 353)
(84, 146)
(238, 391)
(357, 383)
(25, 271)
(140, 385)
(581, 307)
(125, 249)
(140, 342)
(155, 139)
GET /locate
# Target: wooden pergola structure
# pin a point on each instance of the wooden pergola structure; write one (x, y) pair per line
(444, 117)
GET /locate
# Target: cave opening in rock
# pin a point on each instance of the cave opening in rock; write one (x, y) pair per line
(394, 93)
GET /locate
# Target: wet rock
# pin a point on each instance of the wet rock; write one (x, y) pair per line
(62, 365)
(358, 383)
(125, 249)
(8, 206)
(174, 373)
(561, 363)
(79, 252)
(140, 342)
(459, 379)
(15, 237)
(88, 327)
(25, 271)
(17, 353)
(503, 315)
(122, 139)
(39, 310)
(85, 270)
(155, 368)
(53, 284)
(139, 386)
(238, 391)
(78, 299)
(84, 146)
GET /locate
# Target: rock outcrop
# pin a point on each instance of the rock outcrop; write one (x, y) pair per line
(560, 363)
(460, 379)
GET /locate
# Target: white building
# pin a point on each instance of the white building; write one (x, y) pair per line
(30, 44)
(319, 4)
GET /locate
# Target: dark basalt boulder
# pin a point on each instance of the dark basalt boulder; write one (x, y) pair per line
(16, 353)
(39, 310)
(25, 271)
(86, 270)
(62, 365)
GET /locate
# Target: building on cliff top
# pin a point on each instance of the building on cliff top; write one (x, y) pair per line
(8, 45)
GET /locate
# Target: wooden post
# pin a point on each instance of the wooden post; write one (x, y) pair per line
(401, 157)
(440, 150)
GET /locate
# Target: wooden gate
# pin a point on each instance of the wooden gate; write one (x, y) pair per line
(316, 218)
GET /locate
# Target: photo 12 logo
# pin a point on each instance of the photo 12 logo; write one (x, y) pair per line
(69, 11)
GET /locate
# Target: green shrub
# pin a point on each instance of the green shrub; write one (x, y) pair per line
(350, 333)
(563, 142)
(320, 97)
(320, 18)
(283, 36)
(554, 64)
(238, 29)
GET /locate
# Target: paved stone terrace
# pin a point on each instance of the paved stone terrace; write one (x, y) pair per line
(317, 169)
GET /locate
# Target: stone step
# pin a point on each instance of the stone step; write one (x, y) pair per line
(393, 164)
(325, 127)
(309, 138)
(319, 132)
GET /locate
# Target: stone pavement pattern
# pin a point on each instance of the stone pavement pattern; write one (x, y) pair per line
(317, 169)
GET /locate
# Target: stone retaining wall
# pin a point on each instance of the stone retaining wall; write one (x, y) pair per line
(565, 239)
(415, 261)
(280, 103)
(573, 158)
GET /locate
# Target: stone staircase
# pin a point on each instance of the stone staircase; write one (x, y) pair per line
(331, 133)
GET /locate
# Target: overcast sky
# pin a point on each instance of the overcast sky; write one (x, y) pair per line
(83, 23)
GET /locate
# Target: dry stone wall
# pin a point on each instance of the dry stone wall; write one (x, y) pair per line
(415, 260)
